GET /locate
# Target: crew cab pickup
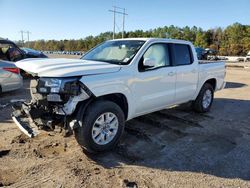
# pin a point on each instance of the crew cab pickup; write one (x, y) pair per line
(114, 82)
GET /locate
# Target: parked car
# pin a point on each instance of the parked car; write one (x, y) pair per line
(115, 82)
(10, 78)
(213, 58)
(247, 57)
(240, 59)
(223, 58)
(9, 51)
(31, 53)
(201, 53)
(206, 54)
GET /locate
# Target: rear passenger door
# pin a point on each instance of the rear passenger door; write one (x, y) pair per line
(186, 72)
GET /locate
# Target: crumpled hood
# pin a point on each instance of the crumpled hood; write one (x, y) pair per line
(65, 67)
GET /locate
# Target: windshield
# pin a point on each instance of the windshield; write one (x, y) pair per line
(117, 52)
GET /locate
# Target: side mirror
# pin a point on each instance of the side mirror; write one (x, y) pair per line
(149, 62)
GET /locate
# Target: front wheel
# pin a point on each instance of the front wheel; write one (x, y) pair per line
(204, 100)
(100, 127)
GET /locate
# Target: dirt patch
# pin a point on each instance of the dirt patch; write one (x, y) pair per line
(21, 139)
(50, 150)
(8, 177)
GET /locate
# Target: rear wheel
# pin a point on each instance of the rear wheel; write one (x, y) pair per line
(101, 126)
(204, 100)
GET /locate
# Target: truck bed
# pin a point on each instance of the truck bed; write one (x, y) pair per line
(215, 69)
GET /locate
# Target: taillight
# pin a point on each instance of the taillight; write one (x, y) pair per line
(13, 70)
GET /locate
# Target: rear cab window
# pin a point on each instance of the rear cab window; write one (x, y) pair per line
(182, 54)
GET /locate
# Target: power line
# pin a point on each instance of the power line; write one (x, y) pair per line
(114, 19)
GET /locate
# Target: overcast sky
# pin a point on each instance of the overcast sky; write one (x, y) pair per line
(74, 19)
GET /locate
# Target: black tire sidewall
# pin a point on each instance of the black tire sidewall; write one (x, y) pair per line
(198, 106)
(88, 119)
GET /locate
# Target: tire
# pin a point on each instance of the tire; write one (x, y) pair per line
(200, 105)
(85, 134)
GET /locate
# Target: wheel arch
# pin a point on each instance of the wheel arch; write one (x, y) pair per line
(211, 81)
(118, 98)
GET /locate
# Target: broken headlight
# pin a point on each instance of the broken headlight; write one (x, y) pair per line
(59, 85)
(54, 84)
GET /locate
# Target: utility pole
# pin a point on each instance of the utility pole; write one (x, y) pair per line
(22, 36)
(28, 36)
(114, 23)
(123, 22)
(114, 19)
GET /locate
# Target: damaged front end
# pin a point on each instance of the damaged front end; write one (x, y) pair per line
(53, 103)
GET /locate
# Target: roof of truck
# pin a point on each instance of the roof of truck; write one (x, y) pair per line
(156, 39)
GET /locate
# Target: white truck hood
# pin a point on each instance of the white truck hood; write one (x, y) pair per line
(65, 67)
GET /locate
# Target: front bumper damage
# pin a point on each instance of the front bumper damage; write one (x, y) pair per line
(29, 118)
(24, 121)
(42, 114)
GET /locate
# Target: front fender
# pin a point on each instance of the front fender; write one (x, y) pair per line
(101, 85)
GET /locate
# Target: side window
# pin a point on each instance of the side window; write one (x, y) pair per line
(160, 54)
(14, 54)
(182, 53)
(9, 52)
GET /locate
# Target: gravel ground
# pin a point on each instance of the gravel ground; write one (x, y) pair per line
(170, 148)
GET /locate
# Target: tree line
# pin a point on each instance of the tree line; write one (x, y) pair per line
(232, 40)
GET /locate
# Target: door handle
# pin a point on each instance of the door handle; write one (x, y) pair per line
(171, 74)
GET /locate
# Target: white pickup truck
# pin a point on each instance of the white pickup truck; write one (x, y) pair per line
(114, 82)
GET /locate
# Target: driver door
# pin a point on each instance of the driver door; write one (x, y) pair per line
(154, 87)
